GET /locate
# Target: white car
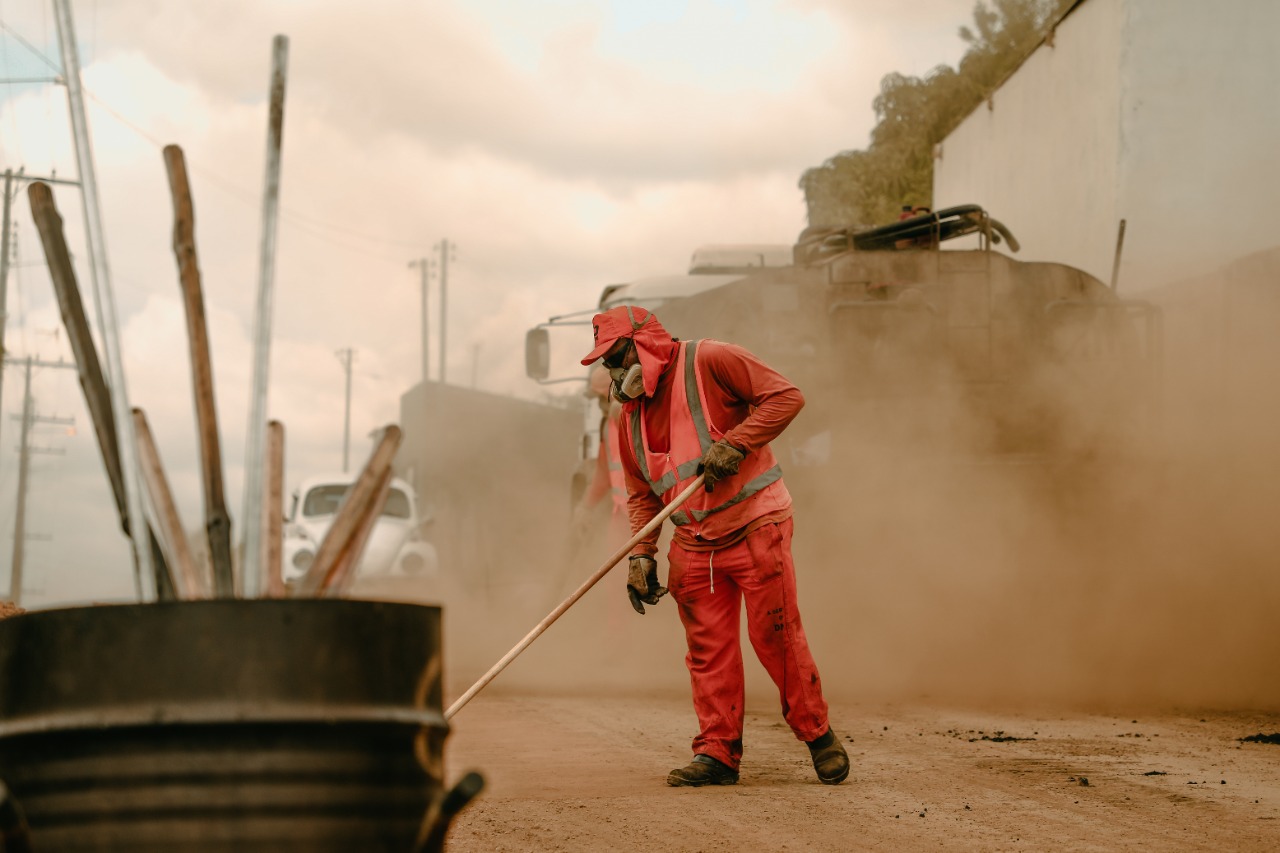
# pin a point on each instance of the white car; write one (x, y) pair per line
(395, 547)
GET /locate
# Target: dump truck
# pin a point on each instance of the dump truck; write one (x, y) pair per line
(903, 346)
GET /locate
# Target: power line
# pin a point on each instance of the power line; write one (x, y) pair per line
(29, 46)
(292, 217)
(331, 241)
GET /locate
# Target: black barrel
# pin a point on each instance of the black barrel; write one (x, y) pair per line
(310, 724)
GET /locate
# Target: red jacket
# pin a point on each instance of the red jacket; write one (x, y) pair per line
(744, 400)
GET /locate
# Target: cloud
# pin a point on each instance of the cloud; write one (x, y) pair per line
(561, 146)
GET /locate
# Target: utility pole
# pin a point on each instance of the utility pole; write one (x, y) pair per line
(6, 248)
(25, 450)
(20, 513)
(445, 250)
(105, 303)
(424, 266)
(4, 266)
(345, 357)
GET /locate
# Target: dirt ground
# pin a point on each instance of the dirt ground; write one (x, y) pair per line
(991, 633)
(983, 656)
(586, 773)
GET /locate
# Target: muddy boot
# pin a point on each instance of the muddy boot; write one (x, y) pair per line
(829, 759)
(703, 770)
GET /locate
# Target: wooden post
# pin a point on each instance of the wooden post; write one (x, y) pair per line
(187, 578)
(93, 384)
(344, 572)
(273, 510)
(217, 522)
(354, 516)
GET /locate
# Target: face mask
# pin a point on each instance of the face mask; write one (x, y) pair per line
(628, 383)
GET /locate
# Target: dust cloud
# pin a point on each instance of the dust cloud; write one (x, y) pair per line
(1103, 538)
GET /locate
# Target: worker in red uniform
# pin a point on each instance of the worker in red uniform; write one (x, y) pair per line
(706, 406)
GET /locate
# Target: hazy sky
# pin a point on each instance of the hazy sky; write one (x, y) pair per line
(561, 145)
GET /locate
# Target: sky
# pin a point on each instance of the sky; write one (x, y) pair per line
(558, 146)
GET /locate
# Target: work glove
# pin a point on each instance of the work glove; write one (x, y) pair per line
(642, 582)
(722, 460)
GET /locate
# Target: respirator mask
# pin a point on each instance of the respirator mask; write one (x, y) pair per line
(628, 383)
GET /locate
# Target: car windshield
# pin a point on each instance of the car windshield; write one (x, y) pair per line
(324, 500)
(397, 505)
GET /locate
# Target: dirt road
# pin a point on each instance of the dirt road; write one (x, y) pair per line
(941, 602)
(586, 773)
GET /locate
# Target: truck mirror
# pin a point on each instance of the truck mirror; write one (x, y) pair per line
(537, 353)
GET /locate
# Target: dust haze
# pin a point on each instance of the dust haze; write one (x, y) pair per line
(1113, 546)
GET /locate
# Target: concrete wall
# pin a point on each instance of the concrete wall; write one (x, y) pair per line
(1160, 112)
(1201, 131)
(495, 472)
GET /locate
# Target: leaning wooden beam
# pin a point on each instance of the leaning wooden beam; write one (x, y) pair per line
(273, 510)
(188, 579)
(344, 572)
(217, 522)
(92, 380)
(355, 513)
(93, 384)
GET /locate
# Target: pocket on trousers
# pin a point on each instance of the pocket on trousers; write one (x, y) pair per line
(676, 566)
(765, 546)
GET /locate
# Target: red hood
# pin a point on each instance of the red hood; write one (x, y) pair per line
(654, 345)
(657, 352)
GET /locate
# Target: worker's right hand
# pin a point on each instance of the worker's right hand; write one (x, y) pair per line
(721, 461)
(642, 582)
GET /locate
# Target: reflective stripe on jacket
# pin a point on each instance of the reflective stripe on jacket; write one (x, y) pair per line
(757, 488)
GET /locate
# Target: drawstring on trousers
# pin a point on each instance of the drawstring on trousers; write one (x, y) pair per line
(711, 555)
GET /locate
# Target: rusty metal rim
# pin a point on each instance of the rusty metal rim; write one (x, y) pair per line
(211, 715)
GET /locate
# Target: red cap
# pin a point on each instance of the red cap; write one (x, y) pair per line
(620, 322)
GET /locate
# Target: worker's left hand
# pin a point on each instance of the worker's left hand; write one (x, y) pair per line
(722, 460)
(642, 582)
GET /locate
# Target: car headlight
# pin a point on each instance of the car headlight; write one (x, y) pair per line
(302, 559)
(412, 563)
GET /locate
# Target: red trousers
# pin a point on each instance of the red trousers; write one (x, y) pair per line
(709, 587)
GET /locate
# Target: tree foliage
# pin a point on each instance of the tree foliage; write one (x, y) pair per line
(870, 186)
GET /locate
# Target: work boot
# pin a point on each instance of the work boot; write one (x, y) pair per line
(703, 770)
(829, 758)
